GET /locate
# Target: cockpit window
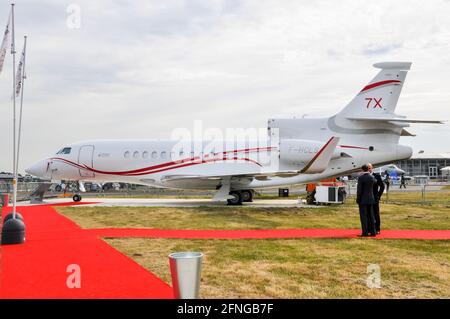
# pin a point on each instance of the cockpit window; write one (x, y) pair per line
(65, 150)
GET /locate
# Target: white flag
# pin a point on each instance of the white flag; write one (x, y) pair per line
(20, 75)
(5, 44)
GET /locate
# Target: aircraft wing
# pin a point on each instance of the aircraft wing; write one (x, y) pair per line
(321, 160)
(260, 176)
(394, 119)
(317, 164)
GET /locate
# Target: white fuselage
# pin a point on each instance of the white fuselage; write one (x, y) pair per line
(159, 163)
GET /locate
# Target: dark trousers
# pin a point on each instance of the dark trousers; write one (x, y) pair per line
(376, 215)
(367, 219)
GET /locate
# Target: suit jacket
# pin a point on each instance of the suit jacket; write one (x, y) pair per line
(364, 195)
(378, 187)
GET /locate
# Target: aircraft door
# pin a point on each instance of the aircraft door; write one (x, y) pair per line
(86, 157)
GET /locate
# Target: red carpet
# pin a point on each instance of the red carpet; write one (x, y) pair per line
(37, 269)
(266, 233)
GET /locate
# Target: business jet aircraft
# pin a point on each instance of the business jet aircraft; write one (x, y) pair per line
(300, 150)
(390, 169)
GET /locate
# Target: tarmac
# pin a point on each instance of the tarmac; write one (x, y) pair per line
(127, 200)
(170, 202)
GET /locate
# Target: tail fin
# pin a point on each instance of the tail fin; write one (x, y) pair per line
(381, 95)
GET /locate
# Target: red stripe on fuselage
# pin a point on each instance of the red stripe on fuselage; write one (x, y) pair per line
(170, 165)
(195, 163)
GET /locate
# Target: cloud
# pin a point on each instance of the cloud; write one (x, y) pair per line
(382, 50)
(137, 69)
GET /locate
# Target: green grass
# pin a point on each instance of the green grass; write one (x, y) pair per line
(394, 216)
(430, 197)
(292, 268)
(305, 268)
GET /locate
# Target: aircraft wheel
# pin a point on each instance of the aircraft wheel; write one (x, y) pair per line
(76, 198)
(236, 200)
(247, 196)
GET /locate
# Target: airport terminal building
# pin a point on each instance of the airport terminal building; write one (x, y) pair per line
(426, 164)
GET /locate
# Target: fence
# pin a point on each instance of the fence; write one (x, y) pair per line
(431, 193)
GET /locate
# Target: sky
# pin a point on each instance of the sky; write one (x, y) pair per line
(138, 69)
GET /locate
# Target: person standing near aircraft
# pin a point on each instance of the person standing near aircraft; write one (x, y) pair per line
(387, 180)
(366, 200)
(378, 189)
(402, 181)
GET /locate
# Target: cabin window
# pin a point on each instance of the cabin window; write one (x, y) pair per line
(136, 154)
(145, 155)
(126, 154)
(154, 154)
(163, 154)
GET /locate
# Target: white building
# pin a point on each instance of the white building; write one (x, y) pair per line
(429, 164)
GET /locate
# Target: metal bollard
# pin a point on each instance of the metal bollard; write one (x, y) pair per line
(185, 268)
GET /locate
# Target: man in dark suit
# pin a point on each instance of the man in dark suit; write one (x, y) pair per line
(366, 200)
(378, 189)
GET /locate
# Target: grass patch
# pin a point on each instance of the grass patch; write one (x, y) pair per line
(306, 268)
(394, 216)
(440, 197)
(291, 268)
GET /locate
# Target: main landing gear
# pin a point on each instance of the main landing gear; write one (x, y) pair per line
(240, 196)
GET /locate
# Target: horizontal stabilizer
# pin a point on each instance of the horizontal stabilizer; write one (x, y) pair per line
(406, 66)
(394, 119)
(320, 161)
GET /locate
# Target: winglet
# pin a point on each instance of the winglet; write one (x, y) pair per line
(320, 161)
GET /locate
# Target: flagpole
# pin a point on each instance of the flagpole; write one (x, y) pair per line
(13, 230)
(22, 85)
(13, 52)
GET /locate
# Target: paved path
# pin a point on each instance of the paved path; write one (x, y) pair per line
(171, 202)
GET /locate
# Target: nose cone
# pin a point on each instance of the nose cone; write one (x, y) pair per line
(38, 169)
